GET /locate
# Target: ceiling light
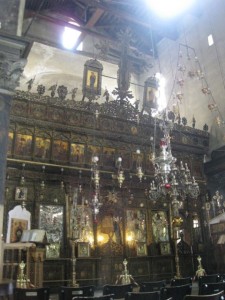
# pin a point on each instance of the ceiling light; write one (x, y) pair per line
(168, 9)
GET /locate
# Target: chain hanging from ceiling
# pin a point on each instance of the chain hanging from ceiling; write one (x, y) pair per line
(189, 67)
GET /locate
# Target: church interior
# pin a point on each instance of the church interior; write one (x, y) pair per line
(112, 145)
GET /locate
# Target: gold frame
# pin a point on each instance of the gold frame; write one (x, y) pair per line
(150, 93)
(94, 67)
(83, 249)
(141, 249)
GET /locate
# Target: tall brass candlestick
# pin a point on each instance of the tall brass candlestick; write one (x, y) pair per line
(74, 260)
(75, 235)
(176, 224)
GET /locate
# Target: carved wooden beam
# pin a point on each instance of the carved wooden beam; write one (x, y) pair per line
(69, 25)
(91, 22)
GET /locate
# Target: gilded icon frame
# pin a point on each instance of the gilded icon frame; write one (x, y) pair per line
(92, 69)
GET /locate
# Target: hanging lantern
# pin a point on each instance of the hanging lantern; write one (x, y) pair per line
(206, 90)
(218, 121)
(95, 172)
(179, 96)
(139, 171)
(120, 173)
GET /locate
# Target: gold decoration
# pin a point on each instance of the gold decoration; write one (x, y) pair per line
(22, 281)
(177, 221)
(125, 277)
(200, 271)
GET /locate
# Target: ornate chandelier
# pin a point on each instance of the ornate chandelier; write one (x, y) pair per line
(170, 178)
(120, 173)
(95, 203)
(174, 181)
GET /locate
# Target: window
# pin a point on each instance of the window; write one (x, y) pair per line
(70, 37)
(210, 40)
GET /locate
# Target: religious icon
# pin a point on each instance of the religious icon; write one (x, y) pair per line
(92, 79)
(60, 150)
(51, 219)
(83, 249)
(148, 162)
(77, 153)
(136, 225)
(23, 144)
(21, 193)
(16, 230)
(141, 249)
(151, 94)
(160, 226)
(42, 147)
(165, 248)
(53, 250)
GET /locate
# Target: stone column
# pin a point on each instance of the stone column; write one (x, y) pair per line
(12, 62)
(9, 15)
(10, 72)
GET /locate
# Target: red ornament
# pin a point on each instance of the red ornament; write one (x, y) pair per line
(167, 186)
(163, 143)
